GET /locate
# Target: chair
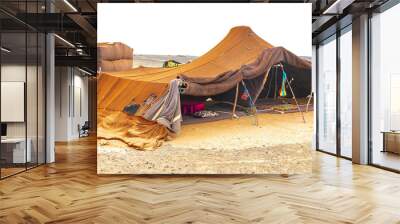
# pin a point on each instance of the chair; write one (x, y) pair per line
(84, 130)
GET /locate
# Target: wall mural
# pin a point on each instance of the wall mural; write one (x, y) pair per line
(243, 107)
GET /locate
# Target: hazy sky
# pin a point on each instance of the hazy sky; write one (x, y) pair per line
(193, 29)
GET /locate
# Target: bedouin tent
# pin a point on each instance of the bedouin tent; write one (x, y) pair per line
(241, 57)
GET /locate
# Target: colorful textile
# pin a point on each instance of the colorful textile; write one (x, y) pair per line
(191, 107)
(282, 91)
(245, 95)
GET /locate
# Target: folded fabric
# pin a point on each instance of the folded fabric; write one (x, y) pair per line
(167, 110)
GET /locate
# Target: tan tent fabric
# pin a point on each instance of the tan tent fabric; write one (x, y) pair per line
(198, 86)
(133, 131)
(241, 46)
(241, 55)
(113, 57)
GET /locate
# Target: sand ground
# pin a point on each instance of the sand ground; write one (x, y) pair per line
(273, 129)
(281, 143)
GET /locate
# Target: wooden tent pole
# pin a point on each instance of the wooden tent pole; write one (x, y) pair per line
(276, 82)
(294, 97)
(234, 105)
(309, 100)
(262, 86)
(252, 105)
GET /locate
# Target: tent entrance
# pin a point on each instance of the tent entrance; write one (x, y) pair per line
(279, 94)
(207, 109)
(238, 102)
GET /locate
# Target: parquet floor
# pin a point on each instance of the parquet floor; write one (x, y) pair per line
(69, 191)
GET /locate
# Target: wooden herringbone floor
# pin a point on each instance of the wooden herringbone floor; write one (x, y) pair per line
(69, 191)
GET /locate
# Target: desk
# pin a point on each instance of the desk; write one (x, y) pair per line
(391, 141)
(13, 150)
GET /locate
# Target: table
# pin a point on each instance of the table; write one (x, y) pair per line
(13, 150)
(391, 141)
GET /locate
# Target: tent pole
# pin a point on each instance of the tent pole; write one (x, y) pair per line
(262, 86)
(294, 97)
(234, 105)
(269, 87)
(252, 105)
(276, 82)
(309, 100)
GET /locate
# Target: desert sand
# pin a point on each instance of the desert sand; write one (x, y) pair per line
(280, 144)
(273, 129)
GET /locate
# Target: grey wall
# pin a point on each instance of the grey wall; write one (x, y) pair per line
(71, 102)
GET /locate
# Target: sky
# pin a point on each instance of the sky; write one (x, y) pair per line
(193, 29)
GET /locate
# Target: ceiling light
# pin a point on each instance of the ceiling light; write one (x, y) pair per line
(65, 41)
(5, 50)
(70, 5)
(338, 6)
(84, 71)
(79, 51)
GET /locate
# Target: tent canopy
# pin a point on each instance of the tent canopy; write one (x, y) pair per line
(240, 56)
(241, 46)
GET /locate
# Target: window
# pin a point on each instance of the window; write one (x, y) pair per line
(385, 89)
(22, 88)
(327, 96)
(346, 93)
